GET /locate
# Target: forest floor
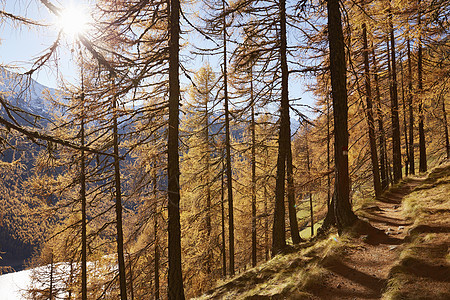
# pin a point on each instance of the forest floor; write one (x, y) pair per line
(399, 249)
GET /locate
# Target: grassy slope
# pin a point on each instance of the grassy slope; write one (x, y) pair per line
(294, 275)
(423, 268)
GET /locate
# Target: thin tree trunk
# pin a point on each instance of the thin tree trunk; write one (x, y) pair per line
(266, 225)
(328, 155)
(130, 267)
(118, 204)
(422, 147)
(295, 233)
(370, 119)
(83, 209)
(175, 278)
(396, 151)
(222, 201)
(51, 277)
(447, 142)
(343, 210)
(411, 114)
(405, 125)
(71, 275)
(308, 167)
(228, 148)
(279, 226)
(382, 135)
(208, 186)
(155, 231)
(254, 250)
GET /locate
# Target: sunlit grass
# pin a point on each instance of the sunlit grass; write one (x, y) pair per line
(428, 205)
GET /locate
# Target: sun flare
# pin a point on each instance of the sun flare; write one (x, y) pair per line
(73, 20)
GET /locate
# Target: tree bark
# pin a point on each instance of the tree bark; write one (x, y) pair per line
(279, 226)
(155, 232)
(83, 209)
(223, 249)
(411, 114)
(382, 135)
(405, 125)
(51, 277)
(447, 141)
(253, 133)
(396, 150)
(293, 222)
(175, 279)
(422, 147)
(370, 119)
(118, 204)
(209, 258)
(308, 167)
(343, 210)
(328, 155)
(228, 148)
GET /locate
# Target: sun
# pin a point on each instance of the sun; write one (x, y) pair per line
(73, 20)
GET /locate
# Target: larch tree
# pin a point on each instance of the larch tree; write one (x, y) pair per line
(175, 279)
(422, 146)
(392, 64)
(369, 113)
(342, 207)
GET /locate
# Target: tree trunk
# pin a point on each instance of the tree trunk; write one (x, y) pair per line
(422, 147)
(382, 135)
(343, 210)
(83, 209)
(370, 119)
(295, 233)
(209, 258)
(396, 151)
(228, 147)
(155, 231)
(51, 277)
(130, 270)
(253, 133)
(222, 201)
(328, 155)
(279, 227)
(411, 114)
(447, 142)
(266, 226)
(405, 125)
(308, 167)
(175, 278)
(118, 205)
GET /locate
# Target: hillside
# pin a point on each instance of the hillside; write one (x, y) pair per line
(399, 250)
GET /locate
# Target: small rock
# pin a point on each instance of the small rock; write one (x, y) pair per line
(396, 206)
(338, 286)
(392, 247)
(401, 227)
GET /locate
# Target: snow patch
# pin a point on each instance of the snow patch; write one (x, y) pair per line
(14, 285)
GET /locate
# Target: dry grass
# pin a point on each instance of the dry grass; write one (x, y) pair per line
(423, 269)
(290, 275)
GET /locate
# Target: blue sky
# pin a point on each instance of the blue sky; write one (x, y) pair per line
(20, 45)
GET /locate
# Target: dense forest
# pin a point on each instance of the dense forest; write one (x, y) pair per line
(180, 158)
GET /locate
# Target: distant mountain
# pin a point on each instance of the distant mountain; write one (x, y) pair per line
(30, 96)
(25, 93)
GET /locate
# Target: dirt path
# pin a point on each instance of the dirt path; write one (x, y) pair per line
(362, 272)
